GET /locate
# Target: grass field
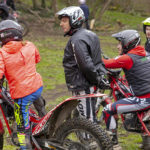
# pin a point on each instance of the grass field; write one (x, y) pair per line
(50, 67)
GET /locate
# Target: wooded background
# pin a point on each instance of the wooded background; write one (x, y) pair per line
(97, 7)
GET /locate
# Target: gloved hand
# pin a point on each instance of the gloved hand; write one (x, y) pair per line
(102, 82)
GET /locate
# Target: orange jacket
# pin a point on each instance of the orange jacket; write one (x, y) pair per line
(18, 62)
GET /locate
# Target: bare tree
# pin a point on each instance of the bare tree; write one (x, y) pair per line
(97, 15)
(101, 11)
(68, 2)
(43, 3)
(34, 2)
(54, 6)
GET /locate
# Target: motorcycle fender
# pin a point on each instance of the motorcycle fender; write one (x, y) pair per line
(63, 113)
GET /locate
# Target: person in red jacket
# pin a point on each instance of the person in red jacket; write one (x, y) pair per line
(135, 63)
(18, 63)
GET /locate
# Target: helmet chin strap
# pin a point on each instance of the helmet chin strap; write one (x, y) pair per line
(71, 31)
(138, 42)
(68, 33)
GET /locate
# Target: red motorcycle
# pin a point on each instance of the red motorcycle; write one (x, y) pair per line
(138, 122)
(58, 129)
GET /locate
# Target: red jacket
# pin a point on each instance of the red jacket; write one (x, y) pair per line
(18, 62)
(125, 61)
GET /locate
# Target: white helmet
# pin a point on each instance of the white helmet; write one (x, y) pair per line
(75, 14)
(146, 22)
(82, 1)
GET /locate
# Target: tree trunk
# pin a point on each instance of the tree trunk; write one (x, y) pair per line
(100, 13)
(55, 10)
(96, 4)
(54, 5)
(97, 15)
(43, 4)
(68, 3)
(34, 2)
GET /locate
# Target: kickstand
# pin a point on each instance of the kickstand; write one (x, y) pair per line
(36, 143)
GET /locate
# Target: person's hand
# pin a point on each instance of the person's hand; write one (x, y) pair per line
(103, 83)
(15, 14)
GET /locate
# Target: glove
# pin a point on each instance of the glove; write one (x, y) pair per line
(102, 82)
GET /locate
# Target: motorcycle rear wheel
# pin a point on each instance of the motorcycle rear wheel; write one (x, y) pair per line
(94, 137)
(25, 27)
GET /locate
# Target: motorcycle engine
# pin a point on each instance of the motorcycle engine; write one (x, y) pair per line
(131, 122)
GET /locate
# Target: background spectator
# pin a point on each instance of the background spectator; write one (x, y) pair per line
(85, 9)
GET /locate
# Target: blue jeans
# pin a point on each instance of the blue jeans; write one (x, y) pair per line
(21, 111)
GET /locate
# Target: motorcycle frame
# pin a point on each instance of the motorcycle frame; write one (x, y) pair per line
(65, 108)
(115, 87)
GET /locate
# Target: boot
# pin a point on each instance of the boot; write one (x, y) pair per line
(39, 105)
(113, 134)
(24, 141)
(146, 142)
(114, 138)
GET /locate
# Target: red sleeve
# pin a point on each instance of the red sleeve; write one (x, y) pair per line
(123, 61)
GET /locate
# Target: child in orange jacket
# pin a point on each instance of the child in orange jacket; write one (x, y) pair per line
(18, 63)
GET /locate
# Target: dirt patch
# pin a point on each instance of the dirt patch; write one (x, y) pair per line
(52, 95)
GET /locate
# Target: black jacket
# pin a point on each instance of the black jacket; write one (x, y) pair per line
(9, 3)
(147, 46)
(5, 15)
(82, 60)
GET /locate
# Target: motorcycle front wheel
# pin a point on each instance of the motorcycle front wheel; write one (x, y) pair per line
(93, 136)
(24, 26)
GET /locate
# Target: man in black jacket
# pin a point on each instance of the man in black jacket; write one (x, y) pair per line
(9, 3)
(82, 59)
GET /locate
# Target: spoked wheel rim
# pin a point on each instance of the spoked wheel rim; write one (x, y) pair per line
(80, 140)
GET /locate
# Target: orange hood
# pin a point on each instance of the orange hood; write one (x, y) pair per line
(13, 46)
(139, 50)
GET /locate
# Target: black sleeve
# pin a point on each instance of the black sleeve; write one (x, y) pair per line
(84, 61)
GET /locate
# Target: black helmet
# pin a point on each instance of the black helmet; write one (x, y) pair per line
(75, 14)
(4, 11)
(129, 39)
(10, 31)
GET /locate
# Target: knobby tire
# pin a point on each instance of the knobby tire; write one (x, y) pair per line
(93, 129)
